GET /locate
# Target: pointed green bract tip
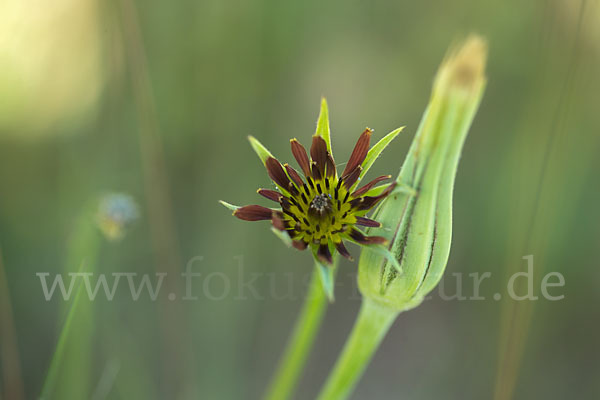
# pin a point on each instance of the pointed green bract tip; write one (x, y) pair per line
(262, 152)
(323, 124)
(327, 276)
(228, 205)
(377, 149)
(388, 255)
(285, 238)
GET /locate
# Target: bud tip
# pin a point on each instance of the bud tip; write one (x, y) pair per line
(465, 65)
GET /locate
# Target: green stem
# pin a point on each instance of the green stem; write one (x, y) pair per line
(373, 322)
(307, 325)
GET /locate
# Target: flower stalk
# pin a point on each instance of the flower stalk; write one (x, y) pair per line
(418, 222)
(305, 330)
(320, 211)
(373, 322)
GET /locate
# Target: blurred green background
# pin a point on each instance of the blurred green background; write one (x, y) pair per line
(155, 99)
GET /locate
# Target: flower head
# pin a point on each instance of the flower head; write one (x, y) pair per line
(324, 209)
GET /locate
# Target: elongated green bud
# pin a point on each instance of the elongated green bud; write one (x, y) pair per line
(419, 221)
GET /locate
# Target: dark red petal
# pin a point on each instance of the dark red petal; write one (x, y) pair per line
(277, 174)
(367, 222)
(316, 172)
(362, 239)
(358, 236)
(301, 157)
(343, 250)
(360, 151)
(277, 220)
(368, 202)
(294, 175)
(299, 244)
(318, 153)
(253, 213)
(324, 254)
(330, 169)
(270, 194)
(352, 177)
(356, 203)
(368, 186)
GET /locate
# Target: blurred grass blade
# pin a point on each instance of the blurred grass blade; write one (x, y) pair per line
(10, 363)
(107, 380)
(161, 221)
(549, 189)
(73, 354)
(53, 370)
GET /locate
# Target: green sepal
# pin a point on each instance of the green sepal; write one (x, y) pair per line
(327, 276)
(323, 124)
(377, 149)
(326, 273)
(387, 254)
(228, 205)
(380, 250)
(233, 207)
(262, 152)
(285, 238)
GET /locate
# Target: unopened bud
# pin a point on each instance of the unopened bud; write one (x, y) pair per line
(418, 215)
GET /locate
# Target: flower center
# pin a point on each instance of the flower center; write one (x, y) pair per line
(320, 206)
